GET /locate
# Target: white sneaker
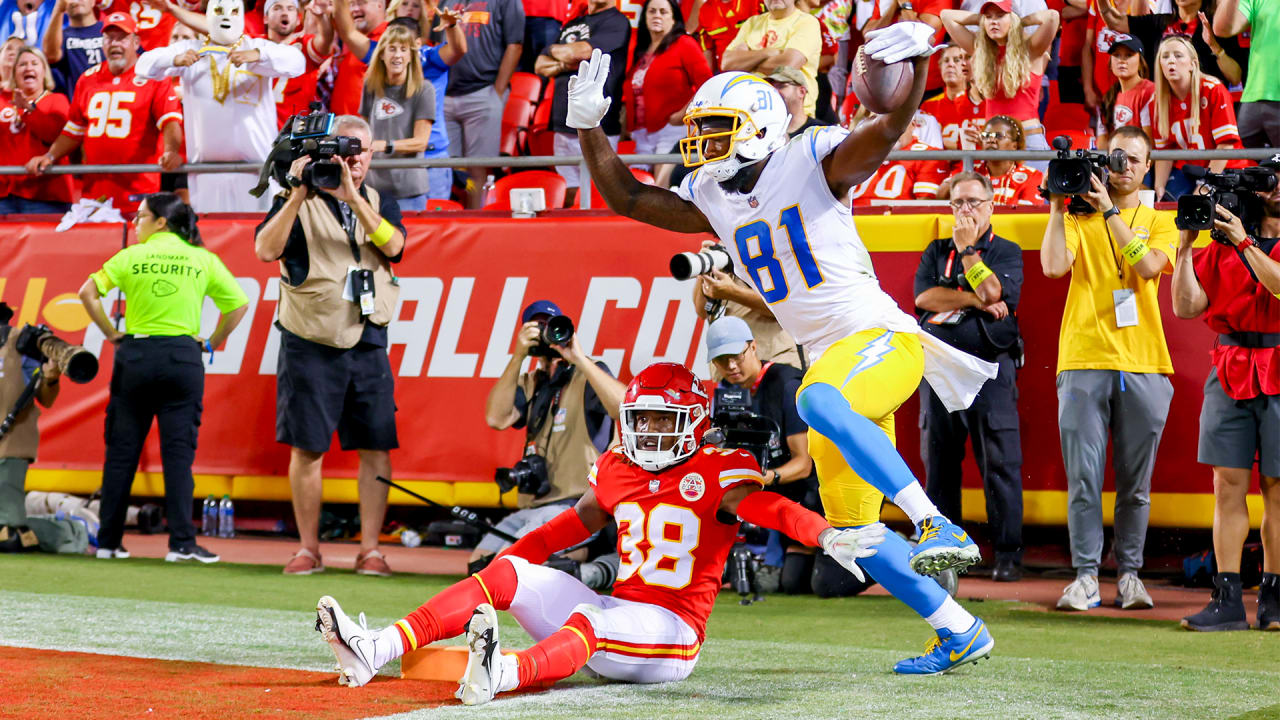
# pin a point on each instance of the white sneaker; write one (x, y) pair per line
(352, 644)
(108, 554)
(486, 670)
(1081, 595)
(1131, 595)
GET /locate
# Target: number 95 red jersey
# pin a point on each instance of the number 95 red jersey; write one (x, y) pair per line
(672, 547)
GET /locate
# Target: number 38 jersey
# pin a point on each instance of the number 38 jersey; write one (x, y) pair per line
(671, 546)
(795, 242)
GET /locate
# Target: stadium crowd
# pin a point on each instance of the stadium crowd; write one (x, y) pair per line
(483, 79)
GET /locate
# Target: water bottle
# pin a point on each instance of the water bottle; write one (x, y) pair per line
(410, 538)
(209, 517)
(226, 518)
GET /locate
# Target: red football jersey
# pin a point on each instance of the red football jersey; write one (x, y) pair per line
(1131, 105)
(26, 136)
(294, 95)
(1103, 37)
(671, 544)
(349, 84)
(119, 118)
(902, 180)
(1019, 186)
(954, 114)
(154, 26)
(1215, 123)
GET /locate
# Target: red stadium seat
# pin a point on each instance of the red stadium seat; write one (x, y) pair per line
(526, 86)
(516, 116)
(441, 204)
(626, 147)
(550, 182)
(597, 200)
(541, 142)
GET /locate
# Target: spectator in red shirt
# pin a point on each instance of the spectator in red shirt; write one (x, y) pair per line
(1012, 182)
(1126, 101)
(957, 108)
(925, 11)
(117, 117)
(360, 24)
(284, 25)
(715, 23)
(1071, 48)
(30, 121)
(667, 67)
(1189, 111)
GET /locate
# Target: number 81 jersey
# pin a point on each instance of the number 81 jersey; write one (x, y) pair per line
(795, 242)
(672, 547)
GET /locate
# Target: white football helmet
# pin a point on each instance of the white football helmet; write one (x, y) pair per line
(758, 123)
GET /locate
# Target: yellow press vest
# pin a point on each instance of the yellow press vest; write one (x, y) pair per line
(315, 309)
(564, 441)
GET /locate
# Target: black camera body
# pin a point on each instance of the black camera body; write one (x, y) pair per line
(40, 344)
(1234, 189)
(736, 425)
(531, 475)
(1070, 173)
(309, 136)
(556, 330)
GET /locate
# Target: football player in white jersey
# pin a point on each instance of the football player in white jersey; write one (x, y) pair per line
(778, 207)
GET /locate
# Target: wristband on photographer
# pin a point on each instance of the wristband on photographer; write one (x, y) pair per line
(1135, 251)
(1245, 244)
(977, 274)
(382, 235)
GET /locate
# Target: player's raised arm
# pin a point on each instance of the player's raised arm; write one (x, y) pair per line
(862, 152)
(622, 192)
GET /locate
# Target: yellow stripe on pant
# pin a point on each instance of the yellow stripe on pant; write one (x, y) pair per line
(876, 371)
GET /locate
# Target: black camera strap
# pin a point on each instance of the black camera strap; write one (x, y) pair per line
(349, 225)
(538, 412)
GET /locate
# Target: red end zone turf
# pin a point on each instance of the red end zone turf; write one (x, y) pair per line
(48, 683)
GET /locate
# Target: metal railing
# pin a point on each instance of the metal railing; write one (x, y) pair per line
(966, 157)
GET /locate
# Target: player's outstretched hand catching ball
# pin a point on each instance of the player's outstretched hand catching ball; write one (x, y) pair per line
(848, 545)
(900, 41)
(587, 101)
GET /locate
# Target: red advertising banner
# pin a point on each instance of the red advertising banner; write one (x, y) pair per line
(464, 281)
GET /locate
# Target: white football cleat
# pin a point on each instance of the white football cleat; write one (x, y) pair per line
(484, 661)
(352, 644)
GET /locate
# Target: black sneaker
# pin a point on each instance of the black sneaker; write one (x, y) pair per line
(1225, 610)
(1269, 602)
(191, 552)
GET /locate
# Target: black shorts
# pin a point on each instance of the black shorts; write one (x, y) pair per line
(320, 389)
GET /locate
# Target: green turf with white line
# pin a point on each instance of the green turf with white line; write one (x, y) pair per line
(789, 657)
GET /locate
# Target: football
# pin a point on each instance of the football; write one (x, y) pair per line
(881, 87)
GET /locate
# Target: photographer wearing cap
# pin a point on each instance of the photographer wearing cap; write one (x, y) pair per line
(18, 445)
(1113, 364)
(967, 289)
(1236, 289)
(788, 468)
(337, 294)
(566, 405)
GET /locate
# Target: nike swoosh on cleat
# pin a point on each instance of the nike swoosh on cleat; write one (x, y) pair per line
(961, 537)
(957, 655)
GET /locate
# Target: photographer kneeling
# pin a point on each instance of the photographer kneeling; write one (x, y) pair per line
(566, 405)
(335, 246)
(788, 469)
(1234, 283)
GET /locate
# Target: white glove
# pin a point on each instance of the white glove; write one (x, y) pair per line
(900, 41)
(587, 101)
(846, 546)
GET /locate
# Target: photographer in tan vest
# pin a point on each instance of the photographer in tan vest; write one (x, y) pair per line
(337, 294)
(566, 405)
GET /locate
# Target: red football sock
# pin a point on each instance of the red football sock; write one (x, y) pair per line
(560, 655)
(446, 615)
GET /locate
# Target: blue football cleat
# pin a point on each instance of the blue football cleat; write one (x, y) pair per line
(943, 546)
(948, 651)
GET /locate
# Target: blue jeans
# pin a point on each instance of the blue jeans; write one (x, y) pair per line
(15, 205)
(439, 183)
(417, 203)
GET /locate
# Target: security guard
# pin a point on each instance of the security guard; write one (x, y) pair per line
(967, 290)
(158, 371)
(337, 295)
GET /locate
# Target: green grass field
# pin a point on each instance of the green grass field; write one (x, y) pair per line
(785, 658)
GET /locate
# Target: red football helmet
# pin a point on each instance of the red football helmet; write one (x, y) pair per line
(665, 387)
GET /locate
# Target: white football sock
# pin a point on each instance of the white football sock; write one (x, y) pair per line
(387, 645)
(951, 616)
(915, 503)
(508, 673)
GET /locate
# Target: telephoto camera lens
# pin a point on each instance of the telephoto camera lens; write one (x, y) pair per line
(687, 265)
